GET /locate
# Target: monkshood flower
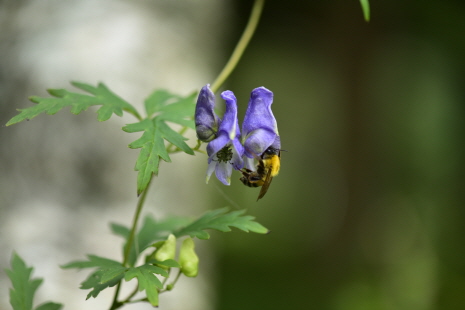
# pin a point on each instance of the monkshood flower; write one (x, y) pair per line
(224, 148)
(259, 129)
(206, 120)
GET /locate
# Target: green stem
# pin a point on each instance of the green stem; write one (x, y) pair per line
(241, 45)
(127, 250)
(166, 279)
(172, 283)
(116, 304)
(133, 293)
(140, 204)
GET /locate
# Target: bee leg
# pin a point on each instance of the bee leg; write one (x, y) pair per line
(254, 178)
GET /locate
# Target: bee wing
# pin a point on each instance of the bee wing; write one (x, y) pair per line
(266, 185)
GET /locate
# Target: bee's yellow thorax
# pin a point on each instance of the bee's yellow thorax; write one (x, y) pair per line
(273, 163)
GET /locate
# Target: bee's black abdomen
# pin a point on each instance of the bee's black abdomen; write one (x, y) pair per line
(249, 183)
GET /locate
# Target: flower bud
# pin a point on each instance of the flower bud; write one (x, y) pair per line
(167, 250)
(188, 260)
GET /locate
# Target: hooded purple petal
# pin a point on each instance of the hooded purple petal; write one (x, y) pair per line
(258, 141)
(276, 143)
(258, 114)
(225, 151)
(206, 121)
(259, 129)
(238, 151)
(230, 124)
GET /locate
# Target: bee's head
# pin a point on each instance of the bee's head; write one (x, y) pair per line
(271, 151)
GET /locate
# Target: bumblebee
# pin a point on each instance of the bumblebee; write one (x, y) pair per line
(268, 167)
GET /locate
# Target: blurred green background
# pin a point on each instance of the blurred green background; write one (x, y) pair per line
(368, 210)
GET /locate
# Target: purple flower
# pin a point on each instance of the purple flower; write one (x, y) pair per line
(206, 121)
(259, 129)
(224, 148)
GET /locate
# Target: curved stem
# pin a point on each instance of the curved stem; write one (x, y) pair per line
(176, 279)
(140, 204)
(116, 304)
(133, 293)
(127, 250)
(171, 285)
(241, 45)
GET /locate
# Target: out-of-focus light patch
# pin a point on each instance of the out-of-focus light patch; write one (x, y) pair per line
(133, 47)
(394, 239)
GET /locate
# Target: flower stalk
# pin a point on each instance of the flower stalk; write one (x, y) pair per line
(127, 250)
(241, 45)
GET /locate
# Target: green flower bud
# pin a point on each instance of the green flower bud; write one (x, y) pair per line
(188, 260)
(167, 250)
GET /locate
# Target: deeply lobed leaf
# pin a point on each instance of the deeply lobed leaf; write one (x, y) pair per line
(49, 306)
(164, 102)
(161, 107)
(221, 220)
(94, 282)
(109, 273)
(152, 230)
(147, 280)
(94, 261)
(24, 288)
(100, 95)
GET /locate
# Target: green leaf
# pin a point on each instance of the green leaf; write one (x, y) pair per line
(120, 230)
(100, 95)
(172, 106)
(147, 280)
(366, 9)
(24, 288)
(22, 293)
(150, 232)
(168, 108)
(94, 261)
(112, 273)
(94, 282)
(221, 220)
(109, 273)
(167, 263)
(156, 100)
(49, 306)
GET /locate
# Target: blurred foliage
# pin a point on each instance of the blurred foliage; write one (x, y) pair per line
(367, 210)
(24, 287)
